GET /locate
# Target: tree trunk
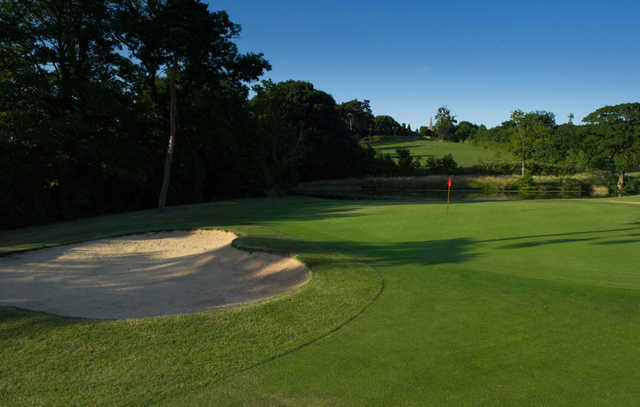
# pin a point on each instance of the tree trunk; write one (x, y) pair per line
(172, 137)
(523, 167)
(620, 181)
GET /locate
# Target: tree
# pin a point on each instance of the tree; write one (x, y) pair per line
(191, 43)
(465, 130)
(385, 125)
(613, 138)
(66, 104)
(304, 133)
(532, 132)
(425, 132)
(358, 116)
(445, 124)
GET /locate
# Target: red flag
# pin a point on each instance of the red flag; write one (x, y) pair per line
(449, 183)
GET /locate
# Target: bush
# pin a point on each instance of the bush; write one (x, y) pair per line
(406, 163)
(631, 186)
(496, 168)
(444, 165)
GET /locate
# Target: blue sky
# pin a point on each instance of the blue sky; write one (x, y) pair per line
(480, 59)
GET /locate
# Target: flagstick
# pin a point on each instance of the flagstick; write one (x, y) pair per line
(448, 194)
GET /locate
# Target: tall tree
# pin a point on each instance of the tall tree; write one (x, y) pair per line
(385, 125)
(66, 100)
(465, 130)
(358, 116)
(531, 133)
(192, 44)
(613, 138)
(445, 124)
(304, 133)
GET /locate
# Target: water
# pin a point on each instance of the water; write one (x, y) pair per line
(439, 194)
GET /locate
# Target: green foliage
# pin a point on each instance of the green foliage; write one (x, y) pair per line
(497, 167)
(465, 130)
(425, 132)
(442, 165)
(406, 163)
(385, 125)
(631, 186)
(304, 134)
(83, 110)
(445, 124)
(524, 185)
(531, 134)
(448, 164)
(358, 117)
(612, 138)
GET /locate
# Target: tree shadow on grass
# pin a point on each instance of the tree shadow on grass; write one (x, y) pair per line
(525, 245)
(22, 323)
(427, 253)
(615, 242)
(384, 147)
(243, 212)
(588, 232)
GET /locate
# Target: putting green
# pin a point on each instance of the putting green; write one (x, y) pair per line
(493, 303)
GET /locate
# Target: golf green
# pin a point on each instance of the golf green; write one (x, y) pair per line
(522, 303)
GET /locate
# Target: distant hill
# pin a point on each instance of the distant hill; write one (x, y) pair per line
(466, 155)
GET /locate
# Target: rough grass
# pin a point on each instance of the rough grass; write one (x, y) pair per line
(497, 303)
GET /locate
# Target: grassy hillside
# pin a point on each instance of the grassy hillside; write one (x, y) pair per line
(466, 155)
(494, 303)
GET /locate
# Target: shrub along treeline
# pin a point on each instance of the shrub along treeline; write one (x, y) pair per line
(102, 102)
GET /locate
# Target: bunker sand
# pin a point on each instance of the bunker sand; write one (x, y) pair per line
(145, 275)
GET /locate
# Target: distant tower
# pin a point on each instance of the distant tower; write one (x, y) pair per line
(431, 123)
(571, 116)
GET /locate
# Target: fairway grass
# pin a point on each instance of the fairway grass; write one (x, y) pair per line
(466, 155)
(522, 303)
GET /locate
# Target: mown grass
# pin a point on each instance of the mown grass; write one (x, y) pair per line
(52, 360)
(466, 155)
(493, 303)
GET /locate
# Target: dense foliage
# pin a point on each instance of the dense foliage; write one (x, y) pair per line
(609, 140)
(93, 92)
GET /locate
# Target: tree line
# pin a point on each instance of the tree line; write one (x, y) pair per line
(114, 105)
(608, 139)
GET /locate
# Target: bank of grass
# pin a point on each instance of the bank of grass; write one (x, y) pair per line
(466, 155)
(495, 303)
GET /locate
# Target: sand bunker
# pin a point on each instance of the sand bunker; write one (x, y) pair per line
(144, 275)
